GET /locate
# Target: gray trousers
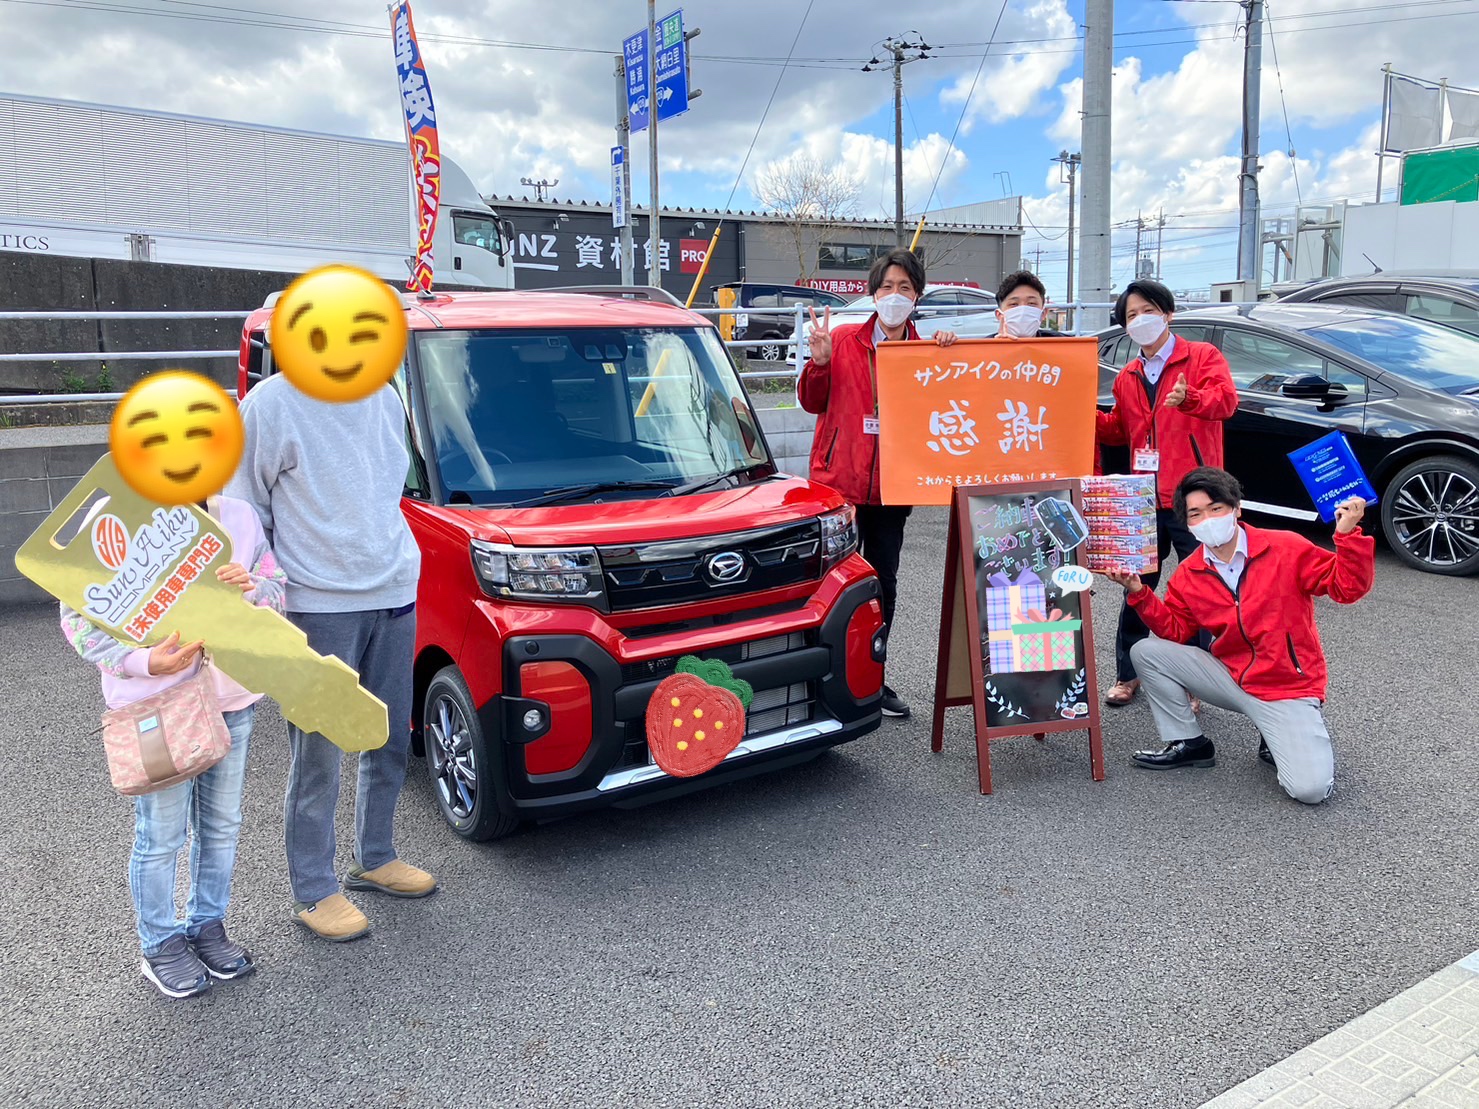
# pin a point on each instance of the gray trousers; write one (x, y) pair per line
(1294, 730)
(380, 647)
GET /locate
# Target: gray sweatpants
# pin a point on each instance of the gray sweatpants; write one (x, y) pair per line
(381, 647)
(1294, 730)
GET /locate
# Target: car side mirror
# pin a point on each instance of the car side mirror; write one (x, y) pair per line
(1307, 387)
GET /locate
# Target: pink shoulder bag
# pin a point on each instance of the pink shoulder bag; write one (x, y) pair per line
(166, 738)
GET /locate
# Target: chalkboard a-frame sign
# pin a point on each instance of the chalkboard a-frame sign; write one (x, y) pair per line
(1016, 641)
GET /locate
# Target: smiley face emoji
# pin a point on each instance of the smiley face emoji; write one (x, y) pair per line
(338, 333)
(176, 437)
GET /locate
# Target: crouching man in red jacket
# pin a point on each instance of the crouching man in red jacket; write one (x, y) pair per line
(1254, 590)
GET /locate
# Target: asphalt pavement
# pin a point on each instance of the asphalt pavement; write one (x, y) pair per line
(864, 930)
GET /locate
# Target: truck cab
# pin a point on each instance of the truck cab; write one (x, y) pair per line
(594, 499)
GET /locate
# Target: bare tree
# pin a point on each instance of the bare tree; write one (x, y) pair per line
(806, 195)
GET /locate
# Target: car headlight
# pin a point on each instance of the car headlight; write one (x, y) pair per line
(839, 536)
(539, 573)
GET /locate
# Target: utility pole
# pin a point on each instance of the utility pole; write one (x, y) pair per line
(1249, 268)
(1095, 236)
(624, 141)
(1069, 162)
(654, 221)
(1139, 230)
(903, 51)
(539, 186)
(1160, 226)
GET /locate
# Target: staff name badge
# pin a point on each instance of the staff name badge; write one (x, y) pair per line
(143, 570)
(1147, 460)
(870, 425)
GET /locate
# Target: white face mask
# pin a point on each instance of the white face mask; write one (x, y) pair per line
(1215, 530)
(1146, 329)
(1022, 320)
(894, 309)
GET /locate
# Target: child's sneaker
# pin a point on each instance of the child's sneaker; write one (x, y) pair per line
(176, 970)
(222, 956)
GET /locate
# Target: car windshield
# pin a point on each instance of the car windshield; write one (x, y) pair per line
(1427, 353)
(517, 414)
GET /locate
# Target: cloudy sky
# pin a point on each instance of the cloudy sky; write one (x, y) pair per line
(525, 89)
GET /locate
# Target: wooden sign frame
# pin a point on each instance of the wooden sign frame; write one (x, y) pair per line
(960, 670)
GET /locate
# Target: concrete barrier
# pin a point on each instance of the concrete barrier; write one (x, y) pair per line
(38, 467)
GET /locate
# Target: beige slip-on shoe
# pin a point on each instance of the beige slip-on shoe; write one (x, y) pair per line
(395, 878)
(334, 918)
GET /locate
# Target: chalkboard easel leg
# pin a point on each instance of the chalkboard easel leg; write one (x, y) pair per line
(1096, 753)
(1039, 736)
(983, 760)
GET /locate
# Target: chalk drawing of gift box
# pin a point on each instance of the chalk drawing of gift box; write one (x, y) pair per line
(1045, 642)
(1004, 599)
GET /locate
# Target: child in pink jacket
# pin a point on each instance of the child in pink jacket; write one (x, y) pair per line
(182, 957)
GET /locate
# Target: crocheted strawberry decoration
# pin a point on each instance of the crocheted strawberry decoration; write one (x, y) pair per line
(696, 717)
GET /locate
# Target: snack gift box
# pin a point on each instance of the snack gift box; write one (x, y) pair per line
(1120, 509)
(1004, 600)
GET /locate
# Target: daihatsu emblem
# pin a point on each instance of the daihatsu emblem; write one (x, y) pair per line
(725, 566)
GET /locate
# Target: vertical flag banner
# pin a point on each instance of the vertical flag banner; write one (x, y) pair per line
(421, 133)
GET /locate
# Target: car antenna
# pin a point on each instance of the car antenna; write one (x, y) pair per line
(1374, 267)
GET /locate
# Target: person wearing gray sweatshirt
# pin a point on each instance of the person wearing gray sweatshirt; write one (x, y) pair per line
(326, 481)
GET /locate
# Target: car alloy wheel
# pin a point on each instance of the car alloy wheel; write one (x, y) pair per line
(1430, 513)
(449, 748)
(771, 352)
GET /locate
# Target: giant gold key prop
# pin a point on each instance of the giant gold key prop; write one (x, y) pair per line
(143, 570)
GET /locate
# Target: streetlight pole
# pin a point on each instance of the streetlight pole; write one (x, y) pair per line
(1249, 248)
(654, 230)
(1070, 162)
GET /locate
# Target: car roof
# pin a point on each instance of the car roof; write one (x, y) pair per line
(536, 308)
(1468, 279)
(1296, 317)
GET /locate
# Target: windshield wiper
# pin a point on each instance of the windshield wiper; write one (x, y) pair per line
(570, 492)
(704, 483)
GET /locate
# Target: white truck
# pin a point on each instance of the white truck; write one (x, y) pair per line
(95, 181)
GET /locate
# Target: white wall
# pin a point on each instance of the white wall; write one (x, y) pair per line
(1442, 235)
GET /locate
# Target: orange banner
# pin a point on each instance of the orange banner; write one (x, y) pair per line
(984, 412)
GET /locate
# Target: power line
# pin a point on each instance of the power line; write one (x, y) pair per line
(1284, 104)
(774, 89)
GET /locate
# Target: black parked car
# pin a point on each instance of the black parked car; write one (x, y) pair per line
(770, 332)
(1449, 297)
(1404, 391)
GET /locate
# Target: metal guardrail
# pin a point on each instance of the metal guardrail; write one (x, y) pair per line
(798, 340)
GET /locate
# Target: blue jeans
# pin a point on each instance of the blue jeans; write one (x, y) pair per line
(380, 647)
(208, 807)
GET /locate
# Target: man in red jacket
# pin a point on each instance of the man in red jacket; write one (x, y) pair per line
(1169, 405)
(839, 385)
(1254, 590)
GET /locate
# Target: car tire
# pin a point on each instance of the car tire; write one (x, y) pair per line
(770, 351)
(459, 762)
(1430, 515)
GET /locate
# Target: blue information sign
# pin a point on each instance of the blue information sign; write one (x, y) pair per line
(1329, 470)
(672, 72)
(618, 187)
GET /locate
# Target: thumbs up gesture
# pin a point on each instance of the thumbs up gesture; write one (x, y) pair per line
(1177, 395)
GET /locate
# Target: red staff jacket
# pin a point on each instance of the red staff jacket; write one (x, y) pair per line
(1265, 631)
(842, 394)
(1188, 436)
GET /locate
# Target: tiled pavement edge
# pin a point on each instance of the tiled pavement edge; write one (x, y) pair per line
(1419, 1050)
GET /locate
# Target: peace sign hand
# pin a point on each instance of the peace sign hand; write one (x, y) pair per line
(820, 337)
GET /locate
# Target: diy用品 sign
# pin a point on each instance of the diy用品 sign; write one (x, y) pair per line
(983, 412)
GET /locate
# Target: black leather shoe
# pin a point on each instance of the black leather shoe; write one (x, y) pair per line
(1184, 752)
(1264, 753)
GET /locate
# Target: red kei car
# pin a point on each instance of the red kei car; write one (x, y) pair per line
(594, 498)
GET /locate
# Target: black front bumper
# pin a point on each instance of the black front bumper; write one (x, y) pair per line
(611, 775)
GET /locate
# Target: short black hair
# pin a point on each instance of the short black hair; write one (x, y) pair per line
(1014, 281)
(906, 260)
(1152, 291)
(1220, 485)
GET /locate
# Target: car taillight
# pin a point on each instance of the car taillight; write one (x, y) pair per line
(839, 536)
(539, 573)
(566, 696)
(867, 647)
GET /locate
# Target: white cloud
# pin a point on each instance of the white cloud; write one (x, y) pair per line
(1012, 85)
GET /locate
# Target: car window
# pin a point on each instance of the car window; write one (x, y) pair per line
(1195, 332)
(1441, 309)
(1355, 384)
(1261, 363)
(1438, 357)
(1350, 298)
(1116, 351)
(766, 300)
